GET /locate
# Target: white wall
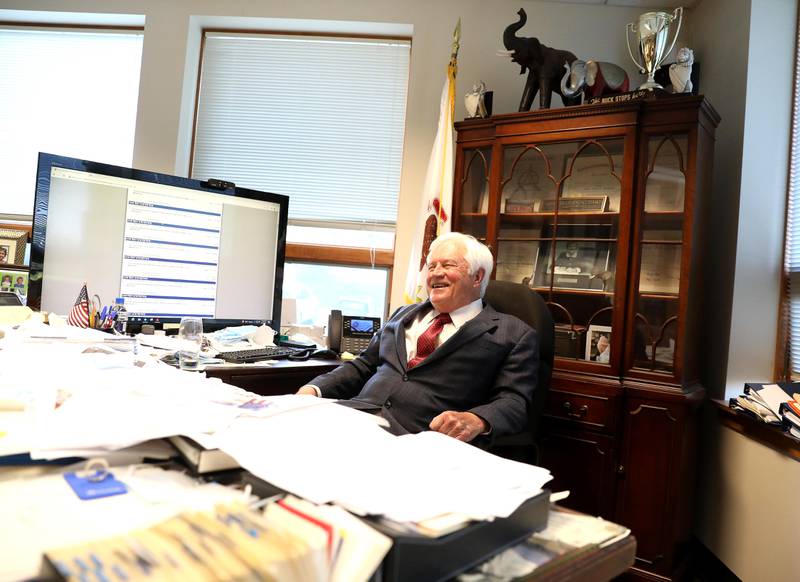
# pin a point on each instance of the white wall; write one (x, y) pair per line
(746, 50)
(169, 64)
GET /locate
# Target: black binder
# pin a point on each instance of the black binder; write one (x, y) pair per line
(424, 559)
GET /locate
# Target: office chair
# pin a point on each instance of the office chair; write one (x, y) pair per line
(526, 304)
(9, 298)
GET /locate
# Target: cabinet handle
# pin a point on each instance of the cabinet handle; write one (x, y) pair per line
(578, 415)
(621, 470)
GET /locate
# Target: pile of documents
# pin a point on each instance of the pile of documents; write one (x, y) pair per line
(774, 404)
(291, 540)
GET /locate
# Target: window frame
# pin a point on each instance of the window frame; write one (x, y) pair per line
(783, 361)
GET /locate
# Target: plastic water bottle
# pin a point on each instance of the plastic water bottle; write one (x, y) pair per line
(121, 323)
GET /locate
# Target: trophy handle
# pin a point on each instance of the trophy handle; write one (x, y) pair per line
(628, 29)
(677, 14)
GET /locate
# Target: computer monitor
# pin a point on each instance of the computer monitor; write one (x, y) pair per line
(170, 246)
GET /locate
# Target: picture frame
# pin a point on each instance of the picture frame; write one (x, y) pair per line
(12, 246)
(598, 344)
(660, 271)
(15, 281)
(578, 264)
(577, 204)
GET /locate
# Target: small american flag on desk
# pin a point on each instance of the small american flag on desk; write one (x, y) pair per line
(79, 314)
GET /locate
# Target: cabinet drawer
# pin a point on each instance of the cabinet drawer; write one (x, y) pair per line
(596, 412)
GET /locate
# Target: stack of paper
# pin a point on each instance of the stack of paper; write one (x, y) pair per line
(336, 454)
(774, 404)
(353, 550)
(292, 540)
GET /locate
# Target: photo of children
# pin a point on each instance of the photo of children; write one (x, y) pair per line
(3, 254)
(14, 282)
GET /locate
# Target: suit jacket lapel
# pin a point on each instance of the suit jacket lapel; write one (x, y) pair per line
(478, 325)
(400, 330)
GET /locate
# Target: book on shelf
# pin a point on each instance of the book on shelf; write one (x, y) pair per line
(203, 460)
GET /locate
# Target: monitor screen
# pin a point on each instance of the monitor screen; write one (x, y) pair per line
(170, 246)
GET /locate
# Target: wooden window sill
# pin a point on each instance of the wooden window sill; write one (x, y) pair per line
(767, 435)
(339, 255)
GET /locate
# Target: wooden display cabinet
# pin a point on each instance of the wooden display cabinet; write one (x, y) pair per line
(602, 209)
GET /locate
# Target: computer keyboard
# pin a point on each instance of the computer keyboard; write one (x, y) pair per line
(256, 354)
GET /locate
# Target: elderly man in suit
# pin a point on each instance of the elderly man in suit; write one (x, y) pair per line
(451, 364)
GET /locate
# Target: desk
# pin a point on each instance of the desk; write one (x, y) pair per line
(273, 379)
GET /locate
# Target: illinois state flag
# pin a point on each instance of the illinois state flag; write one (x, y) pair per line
(437, 199)
(79, 314)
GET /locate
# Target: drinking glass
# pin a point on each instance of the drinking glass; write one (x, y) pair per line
(190, 335)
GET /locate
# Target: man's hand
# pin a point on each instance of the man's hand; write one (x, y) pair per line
(463, 426)
(307, 390)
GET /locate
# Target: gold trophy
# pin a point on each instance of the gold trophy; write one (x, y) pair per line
(653, 32)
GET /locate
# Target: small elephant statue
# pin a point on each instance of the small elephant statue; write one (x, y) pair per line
(543, 64)
(594, 78)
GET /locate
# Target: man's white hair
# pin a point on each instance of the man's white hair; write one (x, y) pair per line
(477, 254)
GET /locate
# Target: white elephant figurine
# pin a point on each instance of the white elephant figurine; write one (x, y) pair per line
(594, 78)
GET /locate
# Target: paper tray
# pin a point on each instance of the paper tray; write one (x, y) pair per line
(420, 558)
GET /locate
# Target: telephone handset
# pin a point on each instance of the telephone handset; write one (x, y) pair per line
(350, 333)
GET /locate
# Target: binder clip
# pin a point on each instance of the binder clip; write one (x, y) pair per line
(95, 481)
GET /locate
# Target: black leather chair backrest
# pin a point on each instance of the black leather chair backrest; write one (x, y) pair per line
(526, 304)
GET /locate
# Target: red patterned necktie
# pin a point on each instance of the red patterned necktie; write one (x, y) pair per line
(426, 342)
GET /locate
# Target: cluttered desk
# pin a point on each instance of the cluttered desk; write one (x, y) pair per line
(98, 399)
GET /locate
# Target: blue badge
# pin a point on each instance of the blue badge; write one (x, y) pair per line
(92, 488)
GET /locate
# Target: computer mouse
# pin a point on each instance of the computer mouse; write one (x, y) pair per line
(325, 355)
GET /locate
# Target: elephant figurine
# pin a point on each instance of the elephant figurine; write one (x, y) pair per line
(594, 78)
(543, 64)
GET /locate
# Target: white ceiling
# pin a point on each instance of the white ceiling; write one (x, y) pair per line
(663, 4)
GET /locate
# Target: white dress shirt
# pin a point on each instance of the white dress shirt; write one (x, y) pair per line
(422, 322)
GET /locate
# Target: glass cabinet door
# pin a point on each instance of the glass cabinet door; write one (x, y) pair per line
(656, 314)
(474, 197)
(558, 232)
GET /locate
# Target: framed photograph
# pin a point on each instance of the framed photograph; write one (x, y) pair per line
(12, 246)
(598, 343)
(577, 264)
(15, 281)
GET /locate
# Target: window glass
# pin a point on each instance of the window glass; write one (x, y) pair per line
(72, 93)
(320, 120)
(319, 288)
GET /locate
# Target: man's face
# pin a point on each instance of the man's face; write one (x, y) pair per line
(449, 283)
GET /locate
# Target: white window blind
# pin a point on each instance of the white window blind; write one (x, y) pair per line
(72, 93)
(792, 250)
(320, 120)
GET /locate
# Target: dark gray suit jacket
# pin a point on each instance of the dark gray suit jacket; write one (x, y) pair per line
(488, 367)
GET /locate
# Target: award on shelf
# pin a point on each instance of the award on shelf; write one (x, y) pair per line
(661, 269)
(577, 204)
(522, 206)
(652, 31)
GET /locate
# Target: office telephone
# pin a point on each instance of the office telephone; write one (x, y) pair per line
(350, 333)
